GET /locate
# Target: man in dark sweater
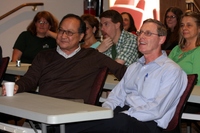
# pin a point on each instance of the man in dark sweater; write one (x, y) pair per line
(68, 71)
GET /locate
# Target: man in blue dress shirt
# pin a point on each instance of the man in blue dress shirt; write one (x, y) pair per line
(145, 100)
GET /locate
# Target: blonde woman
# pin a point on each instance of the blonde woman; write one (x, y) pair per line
(187, 53)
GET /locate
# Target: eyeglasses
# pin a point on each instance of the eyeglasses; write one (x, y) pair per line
(42, 22)
(67, 32)
(171, 17)
(146, 33)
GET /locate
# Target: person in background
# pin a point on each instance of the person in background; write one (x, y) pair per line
(0, 55)
(145, 99)
(128, 22)
(68, 71)
(172, 22)
(40, 35)
(117, 43)
(187, 53)
(92, 31)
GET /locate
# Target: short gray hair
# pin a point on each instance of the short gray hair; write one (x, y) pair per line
(161, 29)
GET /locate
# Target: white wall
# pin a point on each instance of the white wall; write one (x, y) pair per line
(149, 7)
(14, 24)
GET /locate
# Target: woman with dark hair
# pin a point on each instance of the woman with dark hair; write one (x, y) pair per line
(40, 35)
(172, 23)
(92, 31)
(128, 22)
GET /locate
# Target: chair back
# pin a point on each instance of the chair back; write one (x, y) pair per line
(167, 52)
(3, 67)
(97, 86)
(175, 123)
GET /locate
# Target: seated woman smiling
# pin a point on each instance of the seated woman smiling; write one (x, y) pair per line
(187, 53)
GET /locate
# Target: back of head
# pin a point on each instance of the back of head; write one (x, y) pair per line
(82, 27)
(93, 22)
(161, 29)
(53, 22)
(114, 16)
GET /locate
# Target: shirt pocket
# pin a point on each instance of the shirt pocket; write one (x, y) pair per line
(150, 88)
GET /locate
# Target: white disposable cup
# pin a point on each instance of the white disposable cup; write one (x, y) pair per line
(9, 88)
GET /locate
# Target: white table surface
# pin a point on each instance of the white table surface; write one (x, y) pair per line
(48, 110)
(195, 95)
(12, 69)
(16, 129)
(194, 98)
(111, 82)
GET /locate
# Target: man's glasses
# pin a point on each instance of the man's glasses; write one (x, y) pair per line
(42, 22)
(146, 33)
(171, 17)
(67, 32)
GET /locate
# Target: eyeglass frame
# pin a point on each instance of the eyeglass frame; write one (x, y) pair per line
(42, 22)
(67, 32)
(170, 17)
(146, 33)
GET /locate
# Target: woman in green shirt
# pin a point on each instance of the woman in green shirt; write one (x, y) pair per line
(187, 54)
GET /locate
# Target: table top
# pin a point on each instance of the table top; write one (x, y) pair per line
(51, 110)
(111, 82)
(12, 69)
(195, 95)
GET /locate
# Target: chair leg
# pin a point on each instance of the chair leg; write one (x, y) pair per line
(33, 126)
(197, 125)
(188, 129)
(189, 126)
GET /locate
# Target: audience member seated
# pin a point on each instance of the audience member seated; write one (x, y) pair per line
(145, 99)
(128, 22)
(92, 31)
(67, 71)
(187, 53)
(40, 35)
(36, 38)
(3, 117)
(172, 22)
(117, 43)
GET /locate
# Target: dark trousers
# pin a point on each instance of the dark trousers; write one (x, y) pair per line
(5, 118)
(120, 123)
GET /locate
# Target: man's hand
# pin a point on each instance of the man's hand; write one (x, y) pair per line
(3, 93)
(105, 45)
